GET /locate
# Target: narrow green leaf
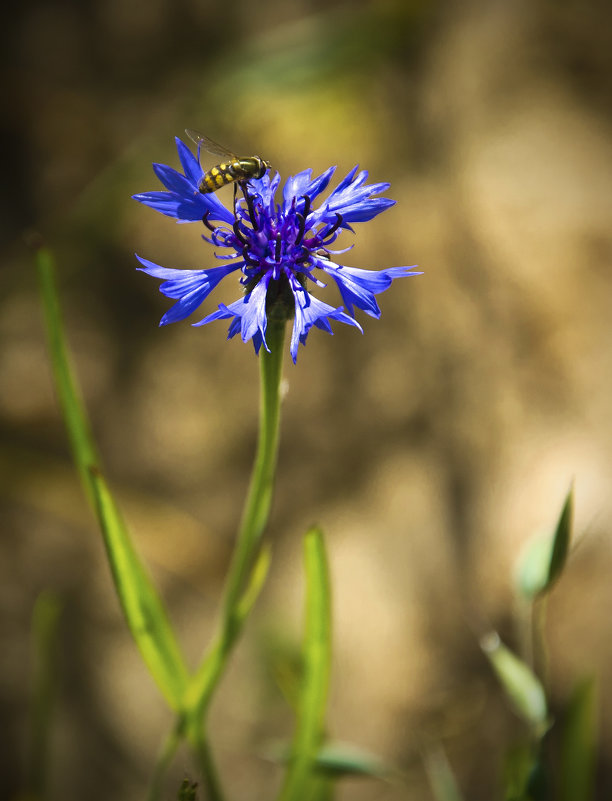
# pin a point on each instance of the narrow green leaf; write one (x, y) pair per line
(344, 759)
(561, 540)
(442, 780)
(142, 607)
(45, 625)
(284, 661)
(75, 417)
(522, 687)
(518, 764)
(317, 658)
(545, 557)
(256, 581)
(579, 747)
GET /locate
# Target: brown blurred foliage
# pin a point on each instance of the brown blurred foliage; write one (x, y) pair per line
(430, 449)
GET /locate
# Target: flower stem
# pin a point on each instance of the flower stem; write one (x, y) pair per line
(212, 786)
(259, 497)
(169, 747)
(254, 519)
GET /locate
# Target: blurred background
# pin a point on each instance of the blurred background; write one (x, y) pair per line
(431, 449)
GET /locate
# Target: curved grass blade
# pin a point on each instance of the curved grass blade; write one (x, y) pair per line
(141, 605)
(255, 584)
(45, 628)
(521, 685)
(73, 409)
(544, 560)
(442, 780)
(343, 759)
(300, 781)
(579, 745)
(561, 540)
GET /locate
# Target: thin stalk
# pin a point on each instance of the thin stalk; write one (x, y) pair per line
(45, 631)
(253, 522)
(301, 781)
(259, 497)
(167, 752)
(211, 783)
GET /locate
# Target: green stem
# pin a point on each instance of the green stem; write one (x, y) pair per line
(259, 498)
(45, 630)
(212, 786)
(254, 519)
(171, 743)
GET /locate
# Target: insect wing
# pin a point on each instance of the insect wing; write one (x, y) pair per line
(208, 144)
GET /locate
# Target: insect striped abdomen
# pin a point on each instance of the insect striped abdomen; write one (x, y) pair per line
(221, 175)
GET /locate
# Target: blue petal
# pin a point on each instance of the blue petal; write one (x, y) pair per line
(294, 187)
(183, 200)
(186, 209)
(352, 198)
(189, 163)
(266, 187)
(366, 210)
(174, 181)
(319, 184)
(300, 185)
(358, 287)
(191, 287)
(249, 313)
(311, 311)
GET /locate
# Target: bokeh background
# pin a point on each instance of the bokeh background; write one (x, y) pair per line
(430, 449)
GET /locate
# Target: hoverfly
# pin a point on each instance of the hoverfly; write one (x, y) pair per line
(232, 170)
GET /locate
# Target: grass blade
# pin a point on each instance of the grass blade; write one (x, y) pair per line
(579, 745)
(45, 627)
(545, 557)
(255, 584)
(442, 780)
(83, 448)
(142, 607)
(521, 685)
(317, 657)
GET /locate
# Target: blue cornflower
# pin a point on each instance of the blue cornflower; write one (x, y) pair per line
(278, 248)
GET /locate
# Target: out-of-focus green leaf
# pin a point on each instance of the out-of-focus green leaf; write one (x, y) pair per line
(344, 759)
(45, 624)
(284, 662)
(577, 769)
(257, 579)
(525, 774)
(142, 607)
(517, 767)
(538, 782)
(73, 409)
(561, 539)
(441, 777)
(543, 561)
(522, 687)
(299, 784)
